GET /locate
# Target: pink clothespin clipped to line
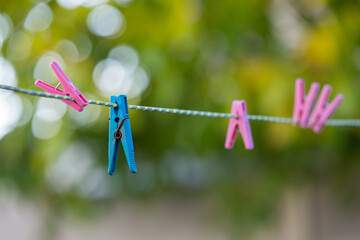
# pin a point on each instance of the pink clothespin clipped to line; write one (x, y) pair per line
(304, 104)
(69, 89)
(323, 111)
(304, 114)
(241, 123)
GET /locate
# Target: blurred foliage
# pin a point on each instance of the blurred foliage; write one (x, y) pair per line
(198, 55)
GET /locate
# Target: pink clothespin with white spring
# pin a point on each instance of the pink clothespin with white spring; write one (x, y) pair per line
(323, 111)
(304, 104)
(69, 89)
(241, 123)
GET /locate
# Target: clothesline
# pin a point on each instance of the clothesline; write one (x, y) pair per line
(330, 122)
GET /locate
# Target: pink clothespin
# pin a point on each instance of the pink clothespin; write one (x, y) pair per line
(323, 110)
(69, 89)
(303, 105)
(241, 123)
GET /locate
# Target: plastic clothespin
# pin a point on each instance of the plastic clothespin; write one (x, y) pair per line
(119, 129)
(323, 110)
(303, 105)
(241, 123)
(69, 89)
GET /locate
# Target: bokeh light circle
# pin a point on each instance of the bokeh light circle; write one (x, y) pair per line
(68, 50)
(6, 26)
(7, 73)
(19, 46)
(70, 4)
(105, 21)
(39, 18)
(46, 122)
(11, 107)
(43, 71)
(120, 73)
(126, 56)
(71, 167)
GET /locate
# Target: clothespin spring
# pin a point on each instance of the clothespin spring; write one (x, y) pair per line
(117, 133)
(58, 85)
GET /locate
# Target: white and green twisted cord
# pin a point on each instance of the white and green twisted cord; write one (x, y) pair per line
(331, 122)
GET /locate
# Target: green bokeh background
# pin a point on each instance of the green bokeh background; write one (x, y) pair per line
(202, 55)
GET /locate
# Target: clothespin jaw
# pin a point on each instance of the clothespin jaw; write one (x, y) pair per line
(69, 89)
(304, 104)
(241, 123)
(120, 130)
(323, 111)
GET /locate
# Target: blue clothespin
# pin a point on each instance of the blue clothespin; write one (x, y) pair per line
(119, 129)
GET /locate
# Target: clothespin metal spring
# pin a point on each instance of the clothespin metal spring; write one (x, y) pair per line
(117, 133)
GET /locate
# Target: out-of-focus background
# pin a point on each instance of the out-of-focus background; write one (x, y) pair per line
(191, 54)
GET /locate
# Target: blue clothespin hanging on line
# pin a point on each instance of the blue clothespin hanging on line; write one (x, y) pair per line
(119, 129)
